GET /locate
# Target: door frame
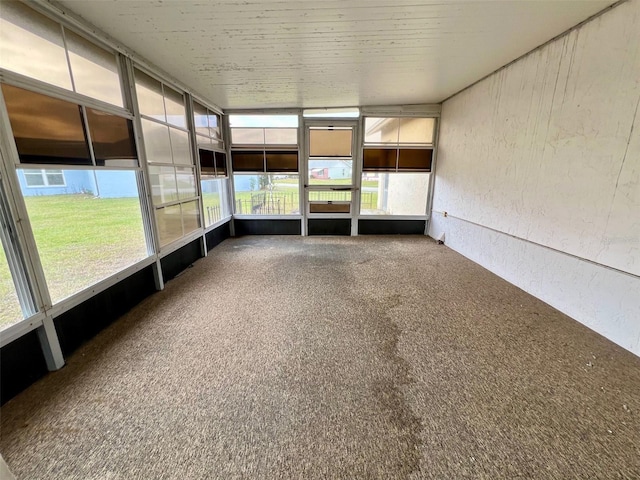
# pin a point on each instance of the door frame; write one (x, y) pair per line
(356, 176)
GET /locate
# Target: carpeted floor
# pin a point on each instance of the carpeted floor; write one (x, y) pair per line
(309, 358)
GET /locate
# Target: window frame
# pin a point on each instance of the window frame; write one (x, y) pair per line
(45, 178)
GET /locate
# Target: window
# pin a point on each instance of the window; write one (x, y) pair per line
(264, 143)
(208, 127)
(398, 144)
(44, 178)
(266, 194)
(385, 193)
(215, 196)
(90, 231)
(52, 131)
(330, 155)
(171, 169)
(264, 159)
(34, 46)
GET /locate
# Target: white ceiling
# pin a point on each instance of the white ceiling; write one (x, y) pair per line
(313, 53)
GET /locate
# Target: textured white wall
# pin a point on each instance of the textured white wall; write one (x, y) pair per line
(548, 151)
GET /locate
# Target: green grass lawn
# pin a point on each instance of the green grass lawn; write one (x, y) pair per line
(81, 240)
(9, 307)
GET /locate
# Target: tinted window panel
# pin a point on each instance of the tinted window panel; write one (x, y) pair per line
(416, 130)
(94, 70)
(207, 162)
(112, 138)
(329, 143)
(281, 136)
(186, 179)
(149, 92)
(247, 136)
(410, 159)
(190, 217)
(163, 184)
(174, 106)
(247, 161)
(379, 159)
(200, 118)
(31, 45)
(221, 163)
(180, 147)
(282, 161)
(381, 130)
(46, 130)
(169, 221)
(156, 142)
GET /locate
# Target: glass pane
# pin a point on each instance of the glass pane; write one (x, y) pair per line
(190, 217)
(330, 172)
(46, 130)
(281, 136)
(34, 178)
(329, 207)
(180, 147)
(163, 184)
(55, 178)
(381, 130)
(221, 164)
(264, 121)
(10, 311)
(207, 162)
(247, 136)
(156, 142)
(88, 235)
(394, 193)
(150, 99)
(247, 161)
(174, 105)
(417, 130)
(94, 70)
(169, 221)
(113, 139)
(31, 45)
(266, 194)
(410, 159)
(325, 142)
(330, 195)
(379, 158)
(213, 199)
(186, 178)
(214, 125)
(200, 118)
(204, 141)
(282, 161)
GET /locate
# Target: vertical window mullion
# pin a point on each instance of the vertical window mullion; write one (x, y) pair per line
(66, 53)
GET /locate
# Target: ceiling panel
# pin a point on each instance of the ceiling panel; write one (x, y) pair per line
(259, 54)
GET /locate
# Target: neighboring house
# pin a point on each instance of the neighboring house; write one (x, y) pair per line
(104, 184)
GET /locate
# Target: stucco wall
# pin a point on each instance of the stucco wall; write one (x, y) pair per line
(539, 171)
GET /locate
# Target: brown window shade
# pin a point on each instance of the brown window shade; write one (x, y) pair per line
(247, 161)
(207, 162)
(112, 138)
(329, 207)
(324, 142)
(415, 159)
(379, 159)
(221, 163)
(46, 130)
(282, 161)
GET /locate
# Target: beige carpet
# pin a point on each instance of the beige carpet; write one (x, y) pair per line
(309, 358)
